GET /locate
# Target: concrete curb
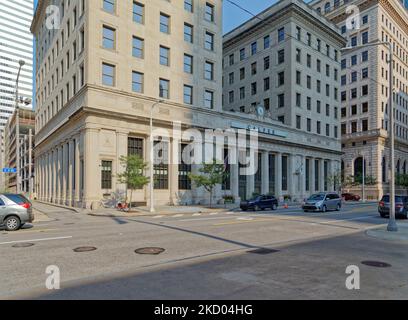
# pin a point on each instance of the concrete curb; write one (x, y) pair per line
(76, 210)
(400, 236)
(148, 214)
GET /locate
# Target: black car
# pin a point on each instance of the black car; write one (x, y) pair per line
(261, 202)
(401, 206)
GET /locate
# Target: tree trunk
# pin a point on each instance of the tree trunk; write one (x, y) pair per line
(211, 198)
(130, 201)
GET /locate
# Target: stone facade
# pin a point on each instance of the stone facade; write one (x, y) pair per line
(365, 120)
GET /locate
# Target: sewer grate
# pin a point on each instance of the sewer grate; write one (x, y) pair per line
(263, 251)
(84, 249)
(150, 250)
(23, 245)
(377, 264)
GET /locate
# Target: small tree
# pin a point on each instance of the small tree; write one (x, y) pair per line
(133, 175)
(211, 175)
(402, 180)
(336, 179)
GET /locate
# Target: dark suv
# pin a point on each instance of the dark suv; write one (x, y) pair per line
(401, 206)
(261, 202)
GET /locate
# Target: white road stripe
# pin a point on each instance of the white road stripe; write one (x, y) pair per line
(36, 240)
(213, 213)
(196, 214)
(157, 217)
(245, 218)
(178, 215)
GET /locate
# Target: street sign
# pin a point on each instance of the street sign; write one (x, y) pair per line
(9, 170)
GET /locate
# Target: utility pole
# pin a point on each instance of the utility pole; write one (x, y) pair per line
(30, 163)
(21, 63)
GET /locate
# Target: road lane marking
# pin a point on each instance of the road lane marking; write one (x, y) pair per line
(246, 218)
(178, 215)
(36, 240)
(157, 217)
(241, 222)
(204, 219)
(213, 213)
(196, 214)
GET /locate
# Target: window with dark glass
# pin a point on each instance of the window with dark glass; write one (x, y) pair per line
(106, 175)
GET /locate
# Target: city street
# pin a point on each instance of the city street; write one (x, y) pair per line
(285, 254)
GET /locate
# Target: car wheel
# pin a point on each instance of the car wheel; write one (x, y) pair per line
(338, 207)
(324, 208)
(274, 207)
(12, 223)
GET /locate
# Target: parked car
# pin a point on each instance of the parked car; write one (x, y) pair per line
(401, 206)
(15, 211)
(351, 197)
(261, 202)
(323, 202)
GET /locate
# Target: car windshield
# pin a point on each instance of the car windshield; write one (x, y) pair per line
(387, 199)
(16, 198)
(315, 197)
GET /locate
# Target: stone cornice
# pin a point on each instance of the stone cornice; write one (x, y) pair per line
(291, 9)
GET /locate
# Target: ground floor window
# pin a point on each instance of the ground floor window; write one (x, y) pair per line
(106, 175)
(135, 146)
(227, 167)
(161, 167)
(258, 175)
(284, 172)
(307, 174)
(184, 181)
(317, 175)
(272, 160)
(326, 176)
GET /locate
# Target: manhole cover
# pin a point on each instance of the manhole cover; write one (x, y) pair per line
(84, 249)
(22, 245)
(263, 251)
(377, 264)
(153, 251)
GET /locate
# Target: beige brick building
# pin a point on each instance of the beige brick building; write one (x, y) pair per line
(365, 89)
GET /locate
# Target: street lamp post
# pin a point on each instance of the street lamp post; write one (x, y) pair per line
(21, 63)
(392, 225)
(151, 182)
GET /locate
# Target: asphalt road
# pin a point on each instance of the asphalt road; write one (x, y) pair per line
(207, 256)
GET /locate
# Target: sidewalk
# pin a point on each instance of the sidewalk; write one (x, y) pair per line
(400, 236)
(162, 210)
(40, 216)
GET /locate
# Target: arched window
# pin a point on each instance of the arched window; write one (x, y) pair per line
(358, 169)
(384, 170)
(327, 7)
(398, 167)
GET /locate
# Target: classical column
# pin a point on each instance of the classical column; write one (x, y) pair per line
(71, 172)
(47, 180)
(64, 172)
(235, 181)
(77, 171)
(250, 185)
(278, 175)
(59, 183)
(54, 176)
(312, 175)
(321, 176)
(92, 172)
(174, 172)
(40, 178)
(292, 177)
(302, 177)
(265, 172)
(121, 150)
(49, 166)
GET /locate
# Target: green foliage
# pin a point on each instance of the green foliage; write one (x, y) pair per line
(210, 175)
(133, 174)
(401, 180)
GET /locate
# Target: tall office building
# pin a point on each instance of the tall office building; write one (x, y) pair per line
(16, 43)
(365, 90)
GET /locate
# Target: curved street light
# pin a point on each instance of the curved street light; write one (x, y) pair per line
(21, 64)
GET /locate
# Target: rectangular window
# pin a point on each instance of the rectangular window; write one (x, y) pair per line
(108, 74)
(281, 56)
(138, 12)
(281, 34)
(209, 41)
(138, 47)
(106, 175)
(209, 12)
(184, 182)
(109, 6)
(209, 71)
(284, 173)
(108, 41)
(188, 5)
(164, 23)
(188, 63)
(188, 94)
(164, 56)
(164, 88)
(188, 33)
(135, 146)
(254, 48)
(209, 99)
(161, 168)
(267, 42)
(137, 82)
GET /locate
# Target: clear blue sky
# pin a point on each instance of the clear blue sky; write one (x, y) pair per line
(234, 16)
